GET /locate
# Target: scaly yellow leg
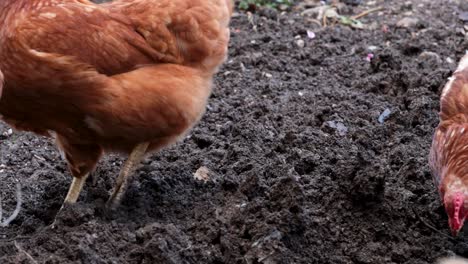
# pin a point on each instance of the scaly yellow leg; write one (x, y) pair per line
(133, 160)
(75, 189)
(73, 194)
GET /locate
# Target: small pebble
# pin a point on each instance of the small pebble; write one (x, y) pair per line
(340, 128)
(369, 57)
(300, 43)
(407, 22)
(310, 34)
(463, 16)
(385, 114)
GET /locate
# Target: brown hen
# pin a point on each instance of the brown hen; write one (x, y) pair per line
(449, 152)
(129, 76)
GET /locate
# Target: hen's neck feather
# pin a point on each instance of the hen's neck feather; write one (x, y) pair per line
(449, 151)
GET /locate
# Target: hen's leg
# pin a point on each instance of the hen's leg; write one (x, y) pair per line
(75, 189)
(72, 195)
(133, 160)
(81, 159)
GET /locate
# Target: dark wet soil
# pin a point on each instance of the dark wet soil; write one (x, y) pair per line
(300, 168)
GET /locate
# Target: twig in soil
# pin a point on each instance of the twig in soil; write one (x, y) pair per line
(38, 157)
(5, 240)
(432, 227)
(315, 21)
(325, 16)
(39, 231)
(19, 201)
(43, 161)
(367, 12)
(324, 19)
(250, 17)
(404, 166)
(266, 257)
(21, 250)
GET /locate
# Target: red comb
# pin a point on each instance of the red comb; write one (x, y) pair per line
(457, 204)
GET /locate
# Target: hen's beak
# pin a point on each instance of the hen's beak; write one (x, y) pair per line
(456, 223)
(455, 231)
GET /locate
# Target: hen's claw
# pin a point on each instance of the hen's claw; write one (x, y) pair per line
(72, 195)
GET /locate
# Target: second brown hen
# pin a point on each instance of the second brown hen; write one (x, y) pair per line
(129, 76)
(449, 150)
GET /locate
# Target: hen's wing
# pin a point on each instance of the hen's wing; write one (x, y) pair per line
(116, 37)
(91, 33)
(193, 32)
